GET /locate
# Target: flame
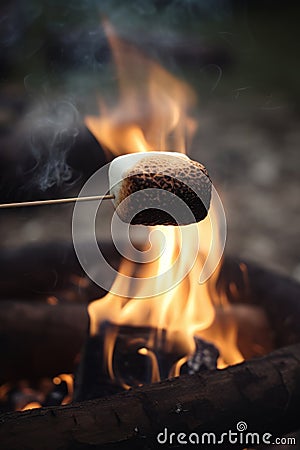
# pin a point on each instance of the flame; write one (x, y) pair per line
(32, 405)
(69, 380)
(152, 114)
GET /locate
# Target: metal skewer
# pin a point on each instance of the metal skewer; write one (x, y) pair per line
(57, 201)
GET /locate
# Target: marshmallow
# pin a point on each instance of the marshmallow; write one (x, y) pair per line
(149, 187)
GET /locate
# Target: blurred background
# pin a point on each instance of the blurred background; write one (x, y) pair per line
(240, 56)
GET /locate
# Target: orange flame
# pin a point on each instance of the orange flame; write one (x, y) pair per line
(32, 405)
(152, 114)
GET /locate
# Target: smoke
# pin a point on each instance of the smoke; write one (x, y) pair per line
(172, 31)
(53, 130)
(52, 47)
(15, 18)
(175, 11)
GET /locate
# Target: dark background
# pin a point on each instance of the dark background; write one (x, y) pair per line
(241, 57)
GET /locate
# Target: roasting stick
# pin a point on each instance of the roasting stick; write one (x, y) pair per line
(57, 201)
(166, 172)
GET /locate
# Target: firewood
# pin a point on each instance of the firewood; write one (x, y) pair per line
(40, 339)
(263, 392)
(37, 271)
(254, 338)
(279, 296)
(38, 324)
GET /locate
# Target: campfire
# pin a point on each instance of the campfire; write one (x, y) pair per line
(157, 118)
(173, 317)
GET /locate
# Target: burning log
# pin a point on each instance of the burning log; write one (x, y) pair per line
(132, 364)
(264, 393)
(39, 339)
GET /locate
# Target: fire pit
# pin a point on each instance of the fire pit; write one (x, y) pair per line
(263, 391)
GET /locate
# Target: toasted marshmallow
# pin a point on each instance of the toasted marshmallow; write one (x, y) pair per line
(159, 188)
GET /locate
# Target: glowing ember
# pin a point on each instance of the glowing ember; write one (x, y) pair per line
(26, 395)
(152, 114)
(31, 405)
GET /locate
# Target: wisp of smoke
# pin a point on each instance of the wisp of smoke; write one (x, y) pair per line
(53, 131)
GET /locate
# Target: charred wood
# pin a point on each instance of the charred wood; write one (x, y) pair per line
(278, 295)
(23, 328)
(35, 272)
(40, 339)
(263, 392)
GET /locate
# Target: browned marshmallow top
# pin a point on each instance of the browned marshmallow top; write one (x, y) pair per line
(156, 176)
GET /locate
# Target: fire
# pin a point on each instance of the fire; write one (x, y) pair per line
(31, 405)
(152, 114)
(152, 111)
